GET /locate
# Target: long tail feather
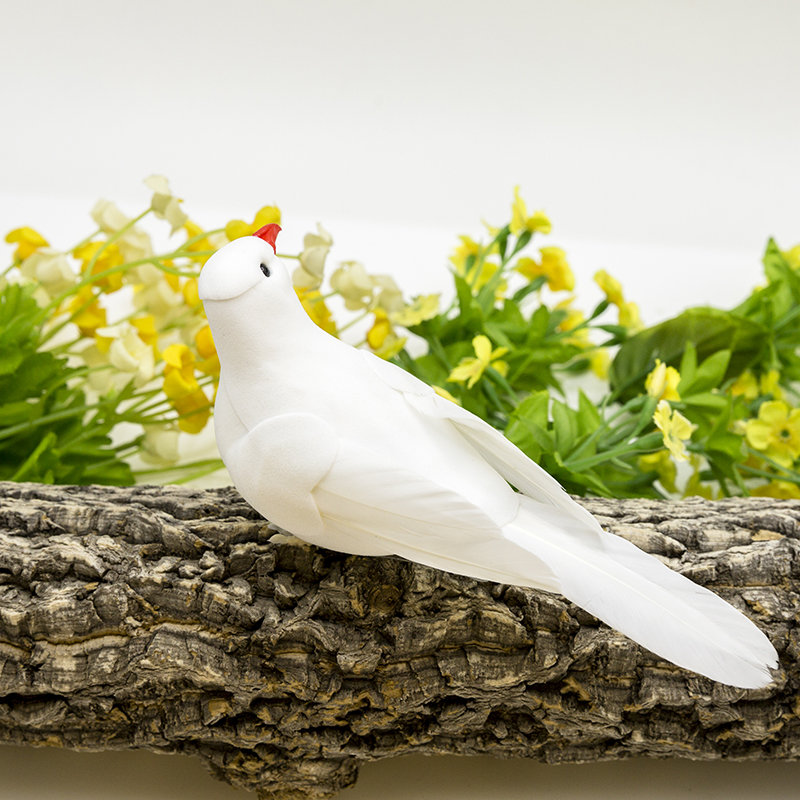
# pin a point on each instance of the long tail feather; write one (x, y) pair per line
(644, 599)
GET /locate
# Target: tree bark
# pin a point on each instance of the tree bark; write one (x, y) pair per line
(165, 618)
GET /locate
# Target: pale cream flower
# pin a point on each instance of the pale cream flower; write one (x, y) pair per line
(50, 269)
(129, 354)
(389, 297)
(353, 284)
(312, 260)
(134, 244)
(160, 300)
(164, 204)
(160, 445)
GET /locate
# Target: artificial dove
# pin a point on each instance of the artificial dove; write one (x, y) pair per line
(351, 453)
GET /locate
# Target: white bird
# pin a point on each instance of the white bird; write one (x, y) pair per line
(351, 453)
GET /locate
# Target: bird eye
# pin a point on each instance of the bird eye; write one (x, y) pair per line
(265, 270)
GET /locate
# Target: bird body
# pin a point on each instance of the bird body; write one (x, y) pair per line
(351, 453)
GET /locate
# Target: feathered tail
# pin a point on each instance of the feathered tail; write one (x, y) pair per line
(643, 598)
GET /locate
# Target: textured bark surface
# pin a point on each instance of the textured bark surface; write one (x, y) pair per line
(165, 618)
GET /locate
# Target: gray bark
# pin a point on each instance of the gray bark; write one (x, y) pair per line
(164, 618)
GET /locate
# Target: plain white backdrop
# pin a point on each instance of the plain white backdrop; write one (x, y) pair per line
(660, 137)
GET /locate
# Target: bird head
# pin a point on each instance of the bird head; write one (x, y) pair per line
(244, 264)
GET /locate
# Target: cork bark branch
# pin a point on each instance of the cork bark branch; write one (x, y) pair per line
(172, 619)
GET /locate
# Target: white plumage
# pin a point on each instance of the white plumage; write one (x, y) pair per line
(351, 453)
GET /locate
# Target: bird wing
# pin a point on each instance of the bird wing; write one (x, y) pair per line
(505, 457)
(391, 509)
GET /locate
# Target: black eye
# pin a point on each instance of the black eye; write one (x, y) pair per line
(265, 270)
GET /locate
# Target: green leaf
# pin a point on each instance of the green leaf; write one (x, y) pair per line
(527, 426)
(589, 419)
(708, 329)
(565, 426)
(709, 375)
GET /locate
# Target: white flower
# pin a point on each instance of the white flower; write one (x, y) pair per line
(390, 298)
(160, 445)
(134, 244)
(128, 353)
(353, 284)
(312, 260)
(160, 300)
(164, 205)
(51, 269)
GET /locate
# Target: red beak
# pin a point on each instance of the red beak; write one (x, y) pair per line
(269, 233)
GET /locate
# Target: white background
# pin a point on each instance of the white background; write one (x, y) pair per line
(660, 137)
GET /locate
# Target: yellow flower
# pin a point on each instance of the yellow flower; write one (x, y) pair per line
(629, 317)
(663, 382)
(470, 369)
(201, 245)
(391, 346)
(468, 247)
(611, 287)
(520, 221)
(164, 204)
(380, 329)
(207, 351)
(663, 465)
(782, 490)
(316, 309)
(28, 241)
(108, 259)
(746, 384)
(191, 293)
(769, 384)
(600, 361)
(424, 307)
(553, 266)
(793, 257)
(447, 396)
(574, 318)
(184, 392)
(675, 428)
(776, 432)
(146, 328)
(88, 314)
(237, 228)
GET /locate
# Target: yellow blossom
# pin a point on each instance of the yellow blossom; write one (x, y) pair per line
(480, 274)
(553, 267)
(663, 382)
(629, 317)
(575, 317)
(424, 307)
(793, 257)
(470, 369)
(190, 293)
(184, 392)
(88, 314)
(776, 432)
(781, 490)
(316, 309)
(520, 221)
(237, 228)
(600, 361)
(28, 241)
(468, 247)
(204, 342)
(746, 384)
(663, 465)
(391, 346)
(675, 428)
(108, 258)
(381, 328)
(146, 328)
(769, 384)
(446, 395)
(611, 287)
(201, 245)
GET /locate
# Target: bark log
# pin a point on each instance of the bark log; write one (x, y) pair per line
(166, 618)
